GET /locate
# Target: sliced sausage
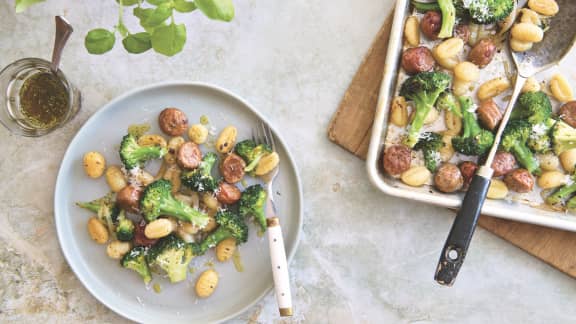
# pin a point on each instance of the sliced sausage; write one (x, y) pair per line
(173, 121)
(232, 168)
(519, 180)
(463, 32)
(468, 170)
(504, 163)
(417, 59)
(482, 53)
(448, 178)
(129, 198)
(228, 193)
(140, 238)
(430, 24)
(397, 159)
(189, 155)
(489, 114)
(568, 113)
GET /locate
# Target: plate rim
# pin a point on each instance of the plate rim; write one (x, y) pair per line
(174, 83)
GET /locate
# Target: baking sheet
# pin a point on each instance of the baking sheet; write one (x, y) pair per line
(519, 207)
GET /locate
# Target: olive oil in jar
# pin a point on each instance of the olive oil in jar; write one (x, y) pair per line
(44, 100)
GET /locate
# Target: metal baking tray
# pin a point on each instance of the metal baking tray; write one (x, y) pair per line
(523, 208)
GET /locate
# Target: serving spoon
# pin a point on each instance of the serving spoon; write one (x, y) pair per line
(557, 42)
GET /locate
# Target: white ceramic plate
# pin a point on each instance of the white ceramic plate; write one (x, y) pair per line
(123, 290)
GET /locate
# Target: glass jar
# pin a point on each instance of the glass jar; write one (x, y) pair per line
(13, 85)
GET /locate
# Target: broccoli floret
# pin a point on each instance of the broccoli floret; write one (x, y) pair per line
(157, 199)
(172, 255)
(563, 137)
(448, 18)
(200, 179)
(430, 144)
(231, 226)
(134, 155)
(562, 194)
(514, 140)
(540, 140)
(106, 209)
(489, 11)
(447, 101)
(124, 227)
(136, 260)
(571, 204)
(423, 89)
(459, 8)
(251, 153)
(474, 140)
(252, 205)
(535, 107)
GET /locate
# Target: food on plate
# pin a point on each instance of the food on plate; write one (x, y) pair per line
(173, 121)
(417, 59)
(158, 224)
(232, 168)
(448, 178)
(94, 164)
(448, 105)
(206, 283)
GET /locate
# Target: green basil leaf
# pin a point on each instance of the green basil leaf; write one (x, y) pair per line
(21, 5)
(216, 9)
(137, 43)
(142, 13)
(156, 17)
(169, 40)
(184, 6)
(128, 3)
(99, 41)
(157, 2)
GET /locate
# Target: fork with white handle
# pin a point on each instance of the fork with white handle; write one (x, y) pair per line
(263, 135)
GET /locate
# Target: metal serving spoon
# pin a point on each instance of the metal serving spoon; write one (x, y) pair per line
(63, 32)
(557, 42)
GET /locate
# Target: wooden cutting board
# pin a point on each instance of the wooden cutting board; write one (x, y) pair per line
(351, 126)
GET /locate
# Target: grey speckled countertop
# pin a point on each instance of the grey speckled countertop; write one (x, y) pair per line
(364, 257)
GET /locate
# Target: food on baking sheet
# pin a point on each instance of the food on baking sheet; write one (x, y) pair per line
(452, 88)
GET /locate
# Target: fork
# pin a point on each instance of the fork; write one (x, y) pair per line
(263, 135)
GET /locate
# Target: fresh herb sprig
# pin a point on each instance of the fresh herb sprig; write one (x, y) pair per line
(161, 32)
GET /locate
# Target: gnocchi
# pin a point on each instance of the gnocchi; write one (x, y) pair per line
(497, 189)
(173, 145)
(560, 88)
(98, 232)
(568, 160)
(446, 53)
(115, 178)
(94, 164)
(399, 112)
(492, 88)
(268, 163)
(527, 32)
(159, 228)
(198, 133)
(151, 140)
(416, 176)
(544, 7)
(206, 283)
(551, 179)
(226, 139)
(225, 249)
(412, 31)
(116, 249)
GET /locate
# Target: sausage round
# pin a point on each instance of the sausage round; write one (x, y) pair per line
(482, 53)
(489, 114)
(463, 32)
(189, 155)
(519, 180)
(232, 168)
(430, 24)
(129, 198)
(468, 170)
(140, 238)
(417, 59)
(448, 178)
(228, 193)
(504, 163)
(568, 113)
(397, 159)
(173, 121)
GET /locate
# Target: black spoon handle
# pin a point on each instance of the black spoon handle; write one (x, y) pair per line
(460, 235)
